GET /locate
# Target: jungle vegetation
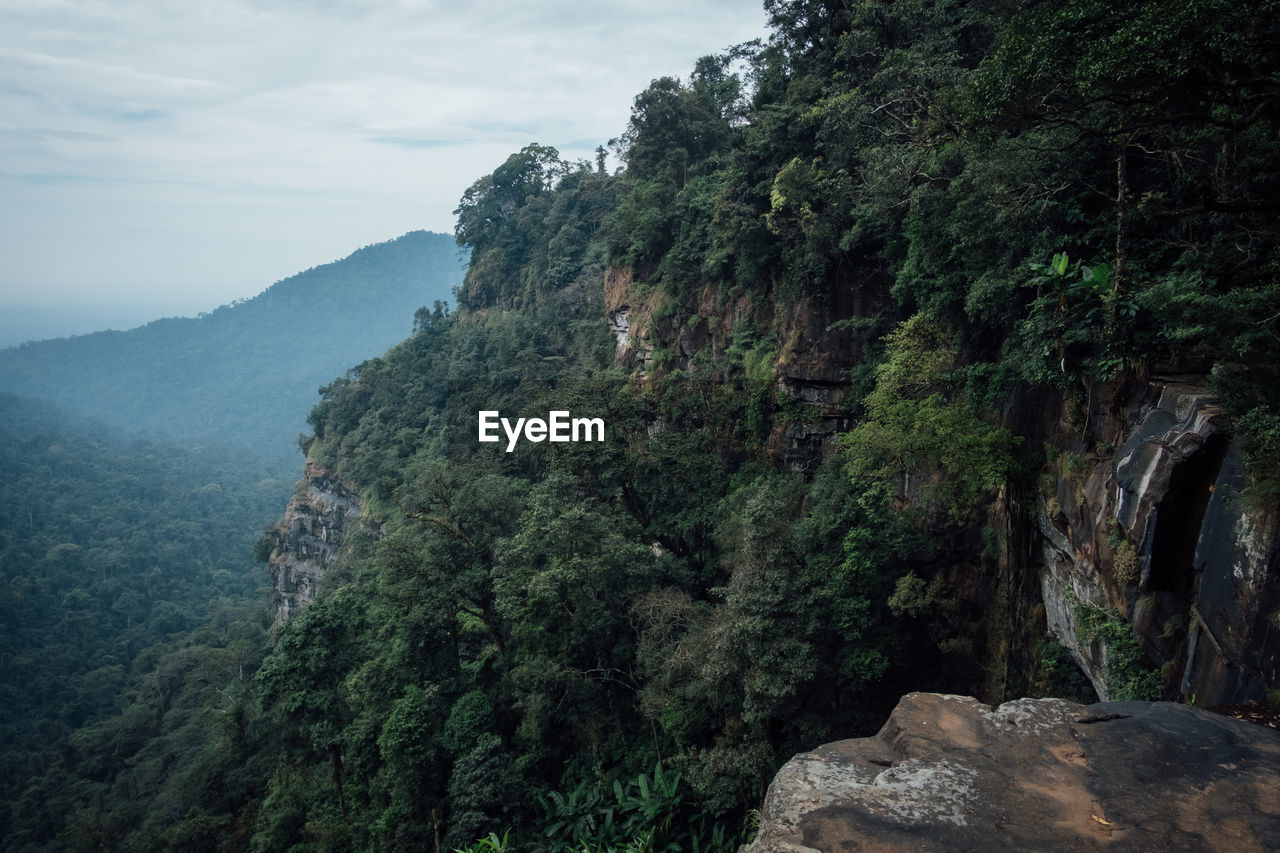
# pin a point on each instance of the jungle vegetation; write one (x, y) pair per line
(614, 646)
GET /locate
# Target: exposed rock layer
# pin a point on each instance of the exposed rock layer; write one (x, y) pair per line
(811, 361)
(308, 537)
(1142, 512)
(1161, 529)
(947, 773)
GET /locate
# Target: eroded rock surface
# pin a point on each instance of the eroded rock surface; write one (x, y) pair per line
(1142, 512)
(1163, 532)
(947, 773)
(813, 346)
(308, 537)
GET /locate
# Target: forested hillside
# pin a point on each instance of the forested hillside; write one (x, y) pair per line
(876, 314)
(112, 547)
(245, 372)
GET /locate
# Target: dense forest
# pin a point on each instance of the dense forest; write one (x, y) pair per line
(113, 547)
(923, 224)
(246, 372)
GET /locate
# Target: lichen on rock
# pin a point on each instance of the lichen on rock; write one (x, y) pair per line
(948, 773)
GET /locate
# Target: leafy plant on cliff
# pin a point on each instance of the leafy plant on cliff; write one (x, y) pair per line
(1127, 673)
(1261, 428)
(920, 435)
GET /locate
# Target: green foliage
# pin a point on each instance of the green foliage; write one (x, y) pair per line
(669, 196)
(613, 646)
(1125, 668)
(114, 547)
(1078, 324)
(754, 356)
(529, 225)
(918, 427)
(1059, 676)
(648, 812)
(483, 789)
(930, 603)
(489, 844)
(1261, 429)
(181, 762)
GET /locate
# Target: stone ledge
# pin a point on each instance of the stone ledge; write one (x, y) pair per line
(947, 773)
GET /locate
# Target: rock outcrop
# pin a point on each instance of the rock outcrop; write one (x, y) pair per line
(947, 773)
(1143, 513)
(812, 343)
(1160, 530)
(308, 537)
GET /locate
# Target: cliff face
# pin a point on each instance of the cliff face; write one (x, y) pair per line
(811, 361)
(308, 537)
(1161, 530)
(1146, 521)
(947, 773)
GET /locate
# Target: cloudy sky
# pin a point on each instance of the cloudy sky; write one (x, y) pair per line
(160, 157)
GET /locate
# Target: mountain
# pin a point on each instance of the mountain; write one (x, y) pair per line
(938, 354)
(246, 372)
(936, 350)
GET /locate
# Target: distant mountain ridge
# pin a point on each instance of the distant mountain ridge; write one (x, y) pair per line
(246, 372)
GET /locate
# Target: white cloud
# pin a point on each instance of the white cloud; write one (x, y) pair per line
(193, 153)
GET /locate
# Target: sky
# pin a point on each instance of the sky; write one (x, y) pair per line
(164, 157)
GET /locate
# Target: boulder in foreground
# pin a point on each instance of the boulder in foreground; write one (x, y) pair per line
(947, 773)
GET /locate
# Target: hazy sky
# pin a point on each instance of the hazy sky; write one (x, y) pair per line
(167, 157)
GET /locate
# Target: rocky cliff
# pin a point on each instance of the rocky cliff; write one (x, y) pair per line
(947, 773)
(308, 537)
(1154, 523)
(1142, 516)
(811, 346)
